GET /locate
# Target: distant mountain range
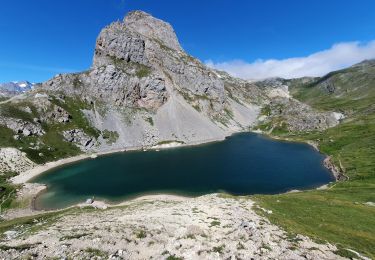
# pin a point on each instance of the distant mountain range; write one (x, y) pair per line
(14, 88)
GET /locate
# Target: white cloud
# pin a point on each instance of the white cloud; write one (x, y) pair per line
(339, 56)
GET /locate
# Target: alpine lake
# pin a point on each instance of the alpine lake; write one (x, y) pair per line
(243, 164)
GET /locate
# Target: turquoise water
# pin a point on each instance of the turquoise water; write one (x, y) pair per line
(242, 164)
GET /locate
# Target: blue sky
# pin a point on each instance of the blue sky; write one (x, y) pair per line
(41, 38)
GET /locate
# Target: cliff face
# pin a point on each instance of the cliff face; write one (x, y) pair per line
(141, 90)
(140, 70)
(152, 45)
(138, 63)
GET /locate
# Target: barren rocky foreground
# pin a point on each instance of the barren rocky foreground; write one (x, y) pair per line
(162, 227)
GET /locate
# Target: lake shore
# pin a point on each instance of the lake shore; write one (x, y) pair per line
(24, 177)
(40, 169)
(337, 172)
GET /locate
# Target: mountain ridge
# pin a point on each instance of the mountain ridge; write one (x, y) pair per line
(142, 92)
(13, 88)
(143, 89)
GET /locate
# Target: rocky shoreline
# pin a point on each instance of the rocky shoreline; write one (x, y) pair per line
(264, 236)
(338, 172)
(34, 189)
(25, 177)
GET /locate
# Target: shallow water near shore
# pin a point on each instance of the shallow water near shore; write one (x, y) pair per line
(243, 164)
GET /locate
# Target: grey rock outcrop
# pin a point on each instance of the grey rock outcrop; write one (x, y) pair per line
(285, 113)
(13, 160)
(152, 27)
(78, 137)
(170, 230)
(299, 116)
(127, 40)
(57, 114)
(112, 85)
(22, 127)
(117, 42)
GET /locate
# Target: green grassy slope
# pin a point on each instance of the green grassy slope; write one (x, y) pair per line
(341, 214)
(52, 144)
(351, 90)
(50, 147)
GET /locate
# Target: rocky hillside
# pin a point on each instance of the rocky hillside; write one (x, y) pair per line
(160, 227)
(144, 87)
(142, 90)
(350, 90)
(344, 212)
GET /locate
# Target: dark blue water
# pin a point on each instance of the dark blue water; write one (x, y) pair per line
(242, 164)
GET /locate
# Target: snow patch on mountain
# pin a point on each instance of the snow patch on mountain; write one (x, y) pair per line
(15, 87)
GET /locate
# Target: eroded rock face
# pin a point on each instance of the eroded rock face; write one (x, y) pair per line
(153, 28)
(58, 114)
(138, 63)
(20, 126)
(301, 117)
(79, 138)
(13, 160)
(113, 86)
(127, 40)
(117, 42)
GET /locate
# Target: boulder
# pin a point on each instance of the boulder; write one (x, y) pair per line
(79, 138)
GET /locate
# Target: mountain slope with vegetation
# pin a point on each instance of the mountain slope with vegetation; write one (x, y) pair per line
(144, 90)
(344, 212)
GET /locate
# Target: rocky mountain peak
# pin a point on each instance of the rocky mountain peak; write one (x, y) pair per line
(143, 90)
(152, 27)
(144, 49)
(13, 88)
(134, 40)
